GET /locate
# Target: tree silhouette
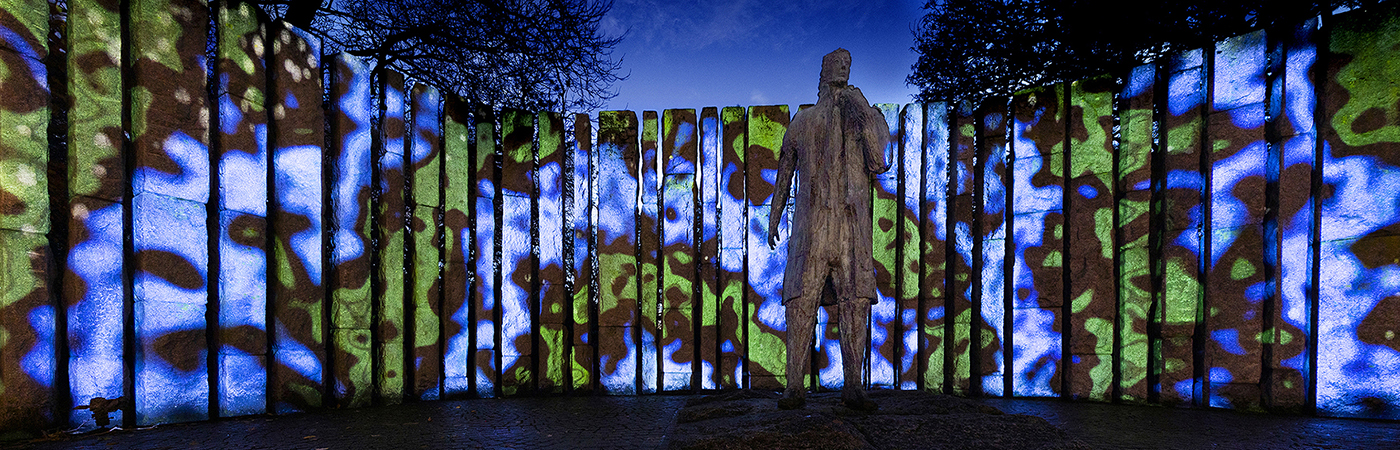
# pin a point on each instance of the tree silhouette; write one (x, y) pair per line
(531, 54)
(973, 49)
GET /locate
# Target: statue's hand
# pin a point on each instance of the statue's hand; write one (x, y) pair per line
(773, 240)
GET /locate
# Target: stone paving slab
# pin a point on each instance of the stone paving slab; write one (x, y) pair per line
(1135, 427)
(524, 423)
(644, 422)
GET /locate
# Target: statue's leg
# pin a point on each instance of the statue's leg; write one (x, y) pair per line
(854, 317)
(801, 323)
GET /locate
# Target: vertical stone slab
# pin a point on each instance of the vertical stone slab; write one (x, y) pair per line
(1037, 207)
(242, 168)
(958, 343)
(1183, 188)
(648, 256)
(934, 257)
(765, 316)
(1357, 370)
(884, 205)
(680, 305)
(93, 282)
(549, 216)
(707, 253)
(1235, 265)
(518, 267)
(296, 378)
(1134, 182)
(352, 124)
(911, 170)
(583, 358)
(425, 168)
(1294, 100)
(617, 183)
(733, 343)
(993, 160)
(1090, 199)
(170, 181)
(26, 311)
(389, 232)
(486, 280)
(458, 245)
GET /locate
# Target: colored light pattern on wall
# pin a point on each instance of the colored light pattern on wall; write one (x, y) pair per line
(296, 215)
(1037, 277)
(767, 352)
(1154, 237)
(679, 192)
(242, 179)
(389, 235)
(352, 117)
(425, 233)
(27, 311)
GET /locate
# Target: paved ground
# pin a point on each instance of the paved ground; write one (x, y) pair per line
(643, 423)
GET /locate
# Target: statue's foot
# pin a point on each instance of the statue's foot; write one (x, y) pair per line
(857, 400)
(792, 402)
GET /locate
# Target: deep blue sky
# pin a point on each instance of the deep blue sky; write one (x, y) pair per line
(694, 54)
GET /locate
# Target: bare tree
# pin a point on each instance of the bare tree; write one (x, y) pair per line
(531, 54)
(973, 49)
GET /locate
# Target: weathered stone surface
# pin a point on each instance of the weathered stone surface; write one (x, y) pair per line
(906, 419)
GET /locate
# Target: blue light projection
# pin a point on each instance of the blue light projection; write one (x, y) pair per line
(95, 337)
(885, 313)
(1036, 208)
(910, 221)
(993, 251)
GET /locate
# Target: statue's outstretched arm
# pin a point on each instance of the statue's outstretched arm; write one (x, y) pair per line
(787, 166)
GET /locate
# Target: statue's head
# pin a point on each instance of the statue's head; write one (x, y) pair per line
(836, 70)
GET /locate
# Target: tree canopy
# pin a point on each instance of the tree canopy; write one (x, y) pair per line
(531, 54)
(973, 49)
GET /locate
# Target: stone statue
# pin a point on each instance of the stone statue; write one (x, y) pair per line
(835, 147)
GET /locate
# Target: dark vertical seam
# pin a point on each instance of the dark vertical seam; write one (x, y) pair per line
(440, 220)
(376, 236)
(979, 194)
(744, 217)
(269, 238)
(129, 349)
(1205, 264)
(1321, 72)
(330, 277)
(410, 247)
(1067, 202)
(1119, 196)
(1008, 265)
(59, 202)
(212, 208)
(536, 305)
(950, 254)
(1156, 233)
(498, 208)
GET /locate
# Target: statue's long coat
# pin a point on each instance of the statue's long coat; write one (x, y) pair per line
(836, 147)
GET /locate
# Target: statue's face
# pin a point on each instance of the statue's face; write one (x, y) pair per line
(836, 70)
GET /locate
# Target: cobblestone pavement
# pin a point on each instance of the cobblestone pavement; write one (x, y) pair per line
(644, 422)
(525, 423)
(1151, 427)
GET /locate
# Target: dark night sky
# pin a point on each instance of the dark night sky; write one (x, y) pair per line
(757, 52)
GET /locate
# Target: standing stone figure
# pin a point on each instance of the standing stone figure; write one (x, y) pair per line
(835, 147)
